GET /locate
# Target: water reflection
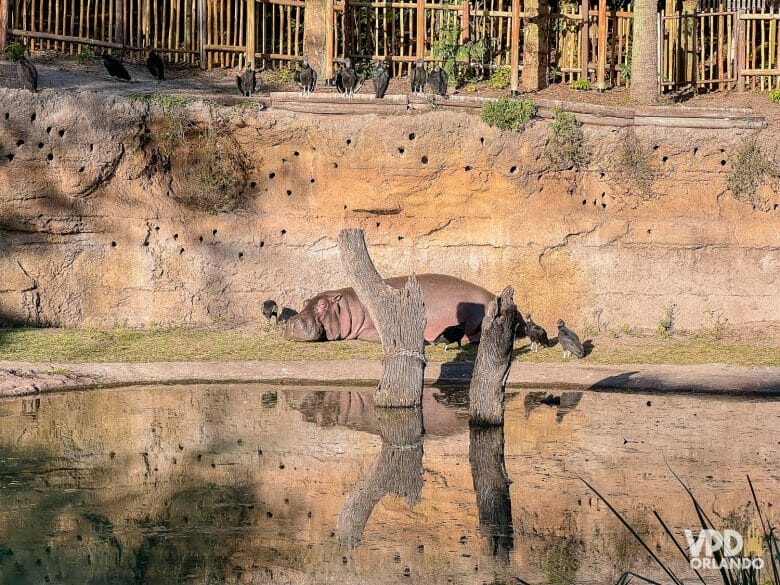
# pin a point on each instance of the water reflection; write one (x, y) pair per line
(491, 484)
(258, 484)
(398, 470)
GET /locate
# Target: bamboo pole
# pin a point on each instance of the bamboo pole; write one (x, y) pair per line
(420, 29)
(330, 37)
(119, 22)
(202, 32)
(3, 23)
(601, 83)
(585, 39)
(251, 42)
(740, 65)
(514, 57)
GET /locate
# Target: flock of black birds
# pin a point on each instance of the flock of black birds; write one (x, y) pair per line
(347, 80)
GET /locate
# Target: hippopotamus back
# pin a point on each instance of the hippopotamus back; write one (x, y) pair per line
(339, 314)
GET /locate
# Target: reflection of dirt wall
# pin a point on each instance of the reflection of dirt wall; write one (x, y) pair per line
(241, 482)
(94, 231)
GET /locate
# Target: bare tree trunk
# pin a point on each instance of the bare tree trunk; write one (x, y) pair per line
(491, 484)
(644, 53)
(398, 470)
(399, 318)
(494, 356)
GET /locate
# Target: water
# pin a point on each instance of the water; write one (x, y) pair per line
(258, 484)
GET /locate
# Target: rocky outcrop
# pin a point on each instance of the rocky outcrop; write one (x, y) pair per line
(114, 211)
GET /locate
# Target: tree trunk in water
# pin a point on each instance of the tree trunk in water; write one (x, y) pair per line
(399, 318)
(398, 470)
(494, 356)
(644, 53)
(491, 483)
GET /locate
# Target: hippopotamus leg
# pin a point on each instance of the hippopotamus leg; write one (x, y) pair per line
(369, 335)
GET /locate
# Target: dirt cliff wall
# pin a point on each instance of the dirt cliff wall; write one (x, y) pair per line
(98, 224)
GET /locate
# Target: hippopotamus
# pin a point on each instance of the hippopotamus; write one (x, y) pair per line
(339, 314)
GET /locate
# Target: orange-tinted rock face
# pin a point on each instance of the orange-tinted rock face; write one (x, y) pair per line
(93, 231)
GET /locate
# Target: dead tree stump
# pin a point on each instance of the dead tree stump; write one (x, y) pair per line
(399, 318)
(494, 356)
(491, 484)
(398, 470)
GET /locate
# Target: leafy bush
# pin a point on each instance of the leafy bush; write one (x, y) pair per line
(85, 55)
(566, 145)
(282, 75)
(14, 51)
(666, 324)
(508, 114)
(581, 85)
(625, 68)
(501, 78)
(634, 163)
(748, 172)
(774, 96)
(463, 62)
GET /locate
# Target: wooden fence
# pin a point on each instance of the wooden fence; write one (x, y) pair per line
(712, 49)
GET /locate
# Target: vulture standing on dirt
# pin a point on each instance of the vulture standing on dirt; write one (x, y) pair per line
(347, 78)
(452, 334)
(247, 82)
(419, 77)
(271, 309)
(306, 78)
(155, 65)
(27, 74)
(537, 335)
(115, 68)
(438, 81)
(569, 341)
(381, 79)
(285, 315)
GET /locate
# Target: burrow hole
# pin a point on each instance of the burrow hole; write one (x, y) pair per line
(513, 170)
(50, 157)
(349, 141)
(664, 159)
(240, 255)
(32, 117)
(200, 238)
(296, 153)
(40, 145)
(271, 175)
(313, 181)
(284, 232)
(723, 163)
(91, 147)
(412, 136)
(335, 165)
(181, 251)
(424, 160)
(467, 169)
(401, 150)
(378, 224)
(175, 236)
(81, 169)
(48, 130)
(61, 133)
(262, 243)
(213, 232)
(482, 141)
(289, 192)
(19, 143)
(113, 244)
(253, 184)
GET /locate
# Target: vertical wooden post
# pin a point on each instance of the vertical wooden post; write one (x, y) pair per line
(601, 70)
(330, 38)
(514, 59)
(585, 39)
(251, 32)
(421, 29)
(464, 21)
(119, 23)
(740, 51)
(535, 53)
(3, 23)
(202, 14)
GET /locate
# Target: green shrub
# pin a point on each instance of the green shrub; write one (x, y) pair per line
(14, 51)
(581, 85)
(508, 114)
(85, 55)
(625, 68)
(748, 172)
(566, 146)
(634, 162)
(501, 78)
(666, 324)
(282, 75)
(774, 96)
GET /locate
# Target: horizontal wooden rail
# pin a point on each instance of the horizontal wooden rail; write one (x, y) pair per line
(63, 38)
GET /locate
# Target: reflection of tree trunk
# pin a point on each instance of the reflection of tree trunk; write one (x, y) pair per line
(399, 318)
(486, 455)
(397, 471)
(494, 356)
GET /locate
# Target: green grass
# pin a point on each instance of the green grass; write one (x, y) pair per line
(774, 96)
(508, 114)
(202, 344)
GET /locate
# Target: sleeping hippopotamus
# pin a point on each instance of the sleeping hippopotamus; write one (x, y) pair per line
(338, 314)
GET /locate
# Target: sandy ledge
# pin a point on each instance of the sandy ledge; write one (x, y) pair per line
(22, 378)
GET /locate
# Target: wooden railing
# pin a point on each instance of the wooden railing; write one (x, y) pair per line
(713, 49)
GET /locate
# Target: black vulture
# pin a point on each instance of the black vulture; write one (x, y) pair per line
(27, 74)
(247, 82)
(569, 341)
(419, 77)
(306, 78)
(438, 81)
(452, 334)
(381, 79)
(537, 335)
(155, 65)
(271, 309)
(349, 78)
(115, 68)
(285, 315)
